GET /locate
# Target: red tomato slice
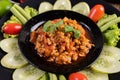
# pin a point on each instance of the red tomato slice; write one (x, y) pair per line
(12, 28)
(77, 76)
(97, 12)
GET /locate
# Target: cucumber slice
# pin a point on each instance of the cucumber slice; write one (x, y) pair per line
(27, 73)
(52, 76)
(9, 44)
(62, 4)
(109, 60)
(82, 8)
(92, 75)
(62, 77)
(13, 60)
(45, 6)
(44, 77)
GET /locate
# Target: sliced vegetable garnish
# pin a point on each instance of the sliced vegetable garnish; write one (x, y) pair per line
(82, 8)
(76, 33)
(109, 60)
(54, 26)
(69, 29)
(46, 26)
(93, 75)
(13, 60)
(27, 73)
(62, 4)
(45, 6)
(9, 44)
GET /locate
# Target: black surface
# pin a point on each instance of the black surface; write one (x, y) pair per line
(29, 52)
(6, 74)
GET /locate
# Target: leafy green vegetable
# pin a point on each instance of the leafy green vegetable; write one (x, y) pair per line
(31, 11)
(111, 35)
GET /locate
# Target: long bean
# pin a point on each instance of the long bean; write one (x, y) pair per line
(107, 25)
(107, 19)
(18, 15)
(21, 10)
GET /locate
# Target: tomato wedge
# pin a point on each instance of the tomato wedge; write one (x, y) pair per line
(12, 28)
(77, 76)
(97, 12)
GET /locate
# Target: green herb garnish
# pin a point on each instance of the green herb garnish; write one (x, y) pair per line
(71, 29)
(76, 33)
(54, 26)
(46, 26)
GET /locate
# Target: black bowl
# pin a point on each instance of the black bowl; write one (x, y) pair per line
(31, 55)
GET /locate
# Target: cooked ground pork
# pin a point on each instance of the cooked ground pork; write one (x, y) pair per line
(60, 46)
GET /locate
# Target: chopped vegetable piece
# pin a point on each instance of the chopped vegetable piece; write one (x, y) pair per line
(69, 29)
(46, 26)
(54, 26)
(76, 33)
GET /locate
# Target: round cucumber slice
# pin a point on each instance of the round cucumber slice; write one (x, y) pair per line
(62, 5)
(9, 44)
(52, 76)
(109, 60)
(92, 75)
(13, 60)
(27, 73)
(82, 8)
(45, 6)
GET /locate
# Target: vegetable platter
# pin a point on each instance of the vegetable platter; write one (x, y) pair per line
(27, 71)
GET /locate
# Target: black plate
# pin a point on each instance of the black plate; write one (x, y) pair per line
(6, 74)
(30, 53)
